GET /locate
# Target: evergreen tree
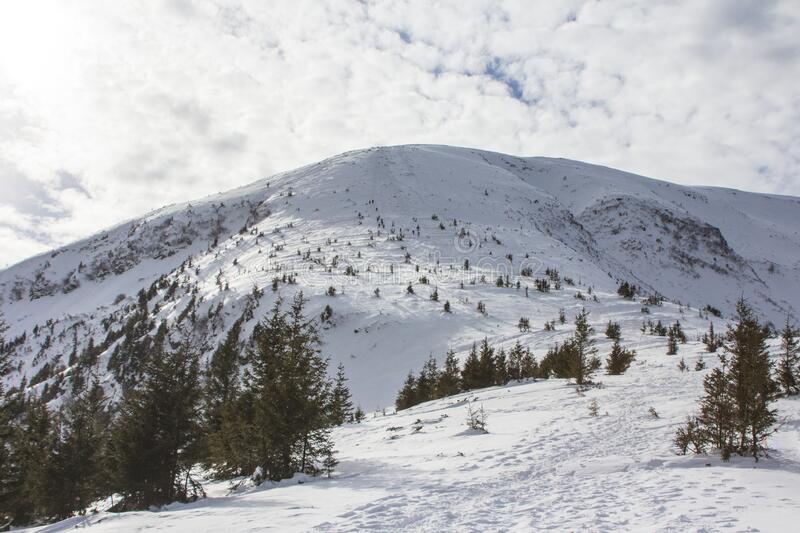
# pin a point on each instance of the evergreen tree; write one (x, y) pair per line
(359, 415)
(528, 367)
(710, 339)
(471, 374)
(291, 392)
(752, 386)
(450, 377)
(487, 364)
(341, 408)
(584, 362)
(789, 364)
(27, 499)
(672, 342)
(427, 380)
(619, 359)
(716, 419)
(221, 393)
(514, 362)
(407, 396)
(154, 439)
(613, 331)
(78, 475)
(500, 368)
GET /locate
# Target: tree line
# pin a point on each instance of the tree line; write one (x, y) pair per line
(263, 407)
(486, 365)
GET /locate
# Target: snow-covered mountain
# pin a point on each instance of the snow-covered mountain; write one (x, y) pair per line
(384, 217)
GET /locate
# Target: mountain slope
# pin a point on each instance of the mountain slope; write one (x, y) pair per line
(395, 215)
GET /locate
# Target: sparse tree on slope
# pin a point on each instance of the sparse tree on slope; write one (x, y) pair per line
(341, 408)
(619, 359)
(789, 364)
(584, 362)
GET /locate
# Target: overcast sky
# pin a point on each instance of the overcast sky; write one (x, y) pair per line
(111, 109)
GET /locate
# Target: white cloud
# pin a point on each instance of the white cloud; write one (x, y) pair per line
(105, 102)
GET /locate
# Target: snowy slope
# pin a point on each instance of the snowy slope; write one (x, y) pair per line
(398, 214)
(545, 464)
(370, 208)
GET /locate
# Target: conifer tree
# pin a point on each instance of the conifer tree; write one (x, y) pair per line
(471, 375)
(407, 396)
(341, 408)
(222, 386)
(154, 439)
(9, 475)
(291, 392)
(584, 362)
(789, 364)
(78, 475)
(28, 482)
(528, 367)
(500, 368)
(487, 364)
(752, 386)
(710, 339)
(619, 359)
(450, 377)
(672, 342)
(514, 362)
(427, 380)
(716, 419)
(613, 331)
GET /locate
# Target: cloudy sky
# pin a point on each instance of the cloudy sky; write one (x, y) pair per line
(110, 110)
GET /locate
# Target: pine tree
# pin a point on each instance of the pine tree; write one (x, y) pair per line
(155, 437)
(528, 367)
(752, 386)
(427, 380)
(500, 368)
(584, 362)
(31, 452)
(487, 364)
(672, 342)
(290, 393)
(716, 419)
(710, 339)
(619, 359)
(450, 377)
(613, 331)
(329, 461)
(221, 393)
(789, 364)
(514, 362)
(341, 408)
(407, 397)
(78, 475)
(471, 374)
